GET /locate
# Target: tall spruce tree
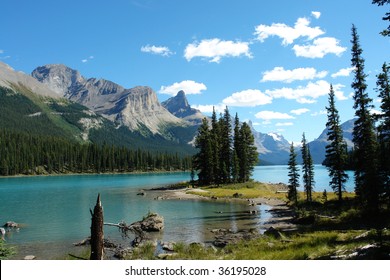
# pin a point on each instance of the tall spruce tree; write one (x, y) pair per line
(336, 153)
(247, 153)
(226, 146)
(236, 150)
(293, 176)
(307, 169)
(203, 159)
(383, 89)
(367, 179)
(216, 147)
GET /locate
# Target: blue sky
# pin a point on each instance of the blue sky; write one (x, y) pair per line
(270, 61)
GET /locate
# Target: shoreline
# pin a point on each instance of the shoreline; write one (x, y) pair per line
(281, 214)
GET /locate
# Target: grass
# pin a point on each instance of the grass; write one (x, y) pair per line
(242, 190)
(297, 246)
(5, 251)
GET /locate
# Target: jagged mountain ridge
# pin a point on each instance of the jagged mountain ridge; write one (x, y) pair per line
(137, 108)
(179, 106)
(29, 106)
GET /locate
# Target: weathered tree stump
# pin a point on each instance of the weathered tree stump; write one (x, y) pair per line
(97, 236)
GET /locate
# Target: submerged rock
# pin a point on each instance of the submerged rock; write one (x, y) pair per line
(11, 224)
(152, 222)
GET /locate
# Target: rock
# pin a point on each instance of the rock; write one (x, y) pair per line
(123, 253)
(164, 256)
(233, 238)
(237, 195)
(141, 193)
(168, 246)
(273, 232)
(11, 224)
(30, 257)
(153, 222)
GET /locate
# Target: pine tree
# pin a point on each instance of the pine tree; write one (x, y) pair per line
(307, 169)
(216, 147)
(203, 159)
(236, 148)
(383, 89)
(293, 174)
(385, 32)
(367, 181)
(247, 153)
(336, 155)
(226, 146)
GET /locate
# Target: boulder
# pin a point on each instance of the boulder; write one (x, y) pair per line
(152, 222)
(30, 257)
(11, 224)
(273, 232)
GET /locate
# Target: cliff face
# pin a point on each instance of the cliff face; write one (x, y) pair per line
(179, 106)
(134, 108)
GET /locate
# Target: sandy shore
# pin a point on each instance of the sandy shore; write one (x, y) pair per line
(281, 215)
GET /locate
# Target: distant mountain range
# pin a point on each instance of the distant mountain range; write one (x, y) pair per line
(58, 100)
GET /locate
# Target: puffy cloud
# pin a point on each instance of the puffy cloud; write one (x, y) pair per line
(247, 98)
(209, 108)
(279, 74)
(215, 49)
(299, 111)
(284, 124)
(271, 115)
(85, 60)
(163, 51)
(287, 33)
(319, 48)
(188, 86)
(315, 14)
(306, 94)
(322, 112)
(345, 72)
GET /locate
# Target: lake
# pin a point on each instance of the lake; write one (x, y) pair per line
(54, 210)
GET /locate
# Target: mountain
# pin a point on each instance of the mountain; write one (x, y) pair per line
(273, 148)
(317, 147)
(29, 106)
(179, 107)
(137, 108)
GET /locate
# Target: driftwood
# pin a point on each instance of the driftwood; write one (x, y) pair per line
(97, 236)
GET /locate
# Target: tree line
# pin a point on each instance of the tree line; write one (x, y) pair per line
(22, 153)
(371, 142)
(225, 154)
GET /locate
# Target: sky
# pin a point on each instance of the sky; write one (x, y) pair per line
(271, 62)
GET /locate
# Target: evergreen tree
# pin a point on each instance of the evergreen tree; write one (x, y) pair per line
(293, 175)
(385, 32)
(336, 154)
(203, 159)
(236, 150)
(216, 147)
(226, 146)
(307, 169)
(367, 181)
(383, 88)
(247, 153)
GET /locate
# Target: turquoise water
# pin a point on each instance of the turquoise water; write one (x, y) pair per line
(279, 174)
(54, 210)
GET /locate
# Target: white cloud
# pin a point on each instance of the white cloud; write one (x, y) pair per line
(299, 111)
(271, 115)
(85, 60)
(215, 49)
(287, 33)
(247, 98)
(315, 14)
(279, 74)
(188, 86)
(306, 94)
(319, 48)
(159, 50)
(209, 108)
(1, 51)
(345, 72)
(284, 124)
(322, 112)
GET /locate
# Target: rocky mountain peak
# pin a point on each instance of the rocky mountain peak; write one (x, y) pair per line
(179, 106)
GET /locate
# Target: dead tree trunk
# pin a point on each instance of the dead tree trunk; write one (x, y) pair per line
(97, 235)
